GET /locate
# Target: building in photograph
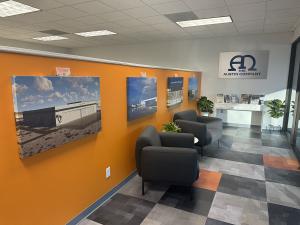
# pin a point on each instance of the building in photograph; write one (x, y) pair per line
(59, 115)
(174, 91)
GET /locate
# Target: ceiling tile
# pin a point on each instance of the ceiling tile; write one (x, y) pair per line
(249, 23)
(284, 12)
(279, 20)
(93, 7)
(115, 16)
(272, 28)
(216, 12)
(170, 7)
(254, 11)
(152, 2)
(168, 27)
(36, 17)
(130, 22)
(202, 34)
(240, 2)
(68, 12)
(282, 4)
(204, 4)
(141, 12)
(91, 20)
(42, 4)
(121, 4)
(154, 20)
(70, 2)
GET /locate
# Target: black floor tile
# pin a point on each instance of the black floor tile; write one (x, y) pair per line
(210, 221)
(122, 209)
(199, 201)
(244, 187)
(282, 215)
(220, 153)
(282, 176)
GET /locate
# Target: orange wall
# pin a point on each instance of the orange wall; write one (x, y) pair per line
(53, 187)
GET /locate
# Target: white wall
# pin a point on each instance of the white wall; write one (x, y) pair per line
(203, 55)
(35, 46)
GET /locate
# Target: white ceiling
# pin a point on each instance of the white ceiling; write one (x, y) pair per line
(143, 20)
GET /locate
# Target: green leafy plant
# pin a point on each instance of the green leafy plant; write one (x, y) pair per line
(276, 108)
(171, 127)
(205, 105)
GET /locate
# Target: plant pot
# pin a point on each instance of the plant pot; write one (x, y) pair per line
(205, 113)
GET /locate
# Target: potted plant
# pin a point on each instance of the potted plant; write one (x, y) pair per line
(205, 106)
(171, 127)
(276, 109)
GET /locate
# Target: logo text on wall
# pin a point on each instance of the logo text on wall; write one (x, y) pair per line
(244, 65)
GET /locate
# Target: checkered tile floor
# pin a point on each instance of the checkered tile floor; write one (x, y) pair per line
(252, 179)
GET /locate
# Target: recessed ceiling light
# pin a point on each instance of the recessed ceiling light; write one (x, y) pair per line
(203, 22)
(50, 38)
(11, 8)
(95, 33)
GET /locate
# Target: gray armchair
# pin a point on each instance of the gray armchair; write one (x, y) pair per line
(166, 157)
(206, 129)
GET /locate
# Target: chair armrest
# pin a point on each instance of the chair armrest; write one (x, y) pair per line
(199, 130)
(207, 119)
(174, 165)
(171, 139)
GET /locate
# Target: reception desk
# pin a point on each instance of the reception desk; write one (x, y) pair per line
(238, 114)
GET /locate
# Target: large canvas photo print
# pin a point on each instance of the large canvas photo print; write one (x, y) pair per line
(141, 97)
(51, 111)
(174, 91)
(193, 88)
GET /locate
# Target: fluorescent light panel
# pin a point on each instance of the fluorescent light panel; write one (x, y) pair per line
(95, 33)
(203, 22)
(11, 8)
(50, 38)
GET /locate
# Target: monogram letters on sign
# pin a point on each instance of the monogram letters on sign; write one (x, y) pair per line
(245, 65)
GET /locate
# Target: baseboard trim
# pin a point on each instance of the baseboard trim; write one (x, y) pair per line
(100, 201)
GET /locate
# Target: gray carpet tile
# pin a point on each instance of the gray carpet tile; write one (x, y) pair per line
(282, 215)
(233, 168)
(88, 222)
(248, 192)
(256, 149)
(122, 209)
(244, 187)
(283, 194)
(154, 191)
(283, 176)
(238, 210)
(210, 221)
(234, 156)
(165, 215)
(194, 200)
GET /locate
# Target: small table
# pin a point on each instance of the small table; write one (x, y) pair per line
(196, 140)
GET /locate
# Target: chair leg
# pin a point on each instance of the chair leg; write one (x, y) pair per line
(201, 151)
(143, 187)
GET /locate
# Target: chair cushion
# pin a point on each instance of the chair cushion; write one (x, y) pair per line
(190, 115)
(149, 137)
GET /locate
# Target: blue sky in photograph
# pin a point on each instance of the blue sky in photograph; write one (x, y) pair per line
(175, 83)
(37, 92)
(193, 83)
(140, 88)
